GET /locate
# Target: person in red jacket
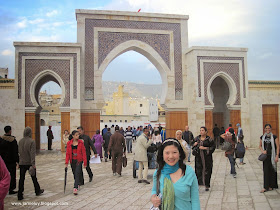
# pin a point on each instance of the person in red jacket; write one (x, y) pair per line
(76, 154)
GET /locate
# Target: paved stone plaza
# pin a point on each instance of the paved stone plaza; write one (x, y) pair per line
(111, 192)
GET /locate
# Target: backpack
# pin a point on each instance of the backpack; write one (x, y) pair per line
(240, 150)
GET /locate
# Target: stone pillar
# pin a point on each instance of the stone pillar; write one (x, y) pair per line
(90, 123)
(175, 120)
(65, 125)
(209, 122)
(235, 117)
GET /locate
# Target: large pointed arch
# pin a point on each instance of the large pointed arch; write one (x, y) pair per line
(147, 51)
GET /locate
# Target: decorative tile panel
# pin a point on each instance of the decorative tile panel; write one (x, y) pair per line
(107, 41)
(221, 58)
(35, 66)
(232, 69)
(118, 39)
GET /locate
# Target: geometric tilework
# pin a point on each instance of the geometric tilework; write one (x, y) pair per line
(35, 66)
(90, 24)
(232, 69)
(61, 67)
(222, 58)
(107, 41)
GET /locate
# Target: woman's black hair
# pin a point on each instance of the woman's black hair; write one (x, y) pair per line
(267, 125)
(160, 160)
(74, 132)
(97, 131)
(231, 130)
(204, 128)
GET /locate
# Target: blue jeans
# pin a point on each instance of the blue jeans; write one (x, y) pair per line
(232, 164)
(241, 160)
(129, 145)
(190, 152)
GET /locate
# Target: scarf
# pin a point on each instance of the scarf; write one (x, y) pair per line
(272, 149)
(168, 189)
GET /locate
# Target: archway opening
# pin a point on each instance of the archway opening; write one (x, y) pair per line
(220, 96)
(132, 88)
(48, 94)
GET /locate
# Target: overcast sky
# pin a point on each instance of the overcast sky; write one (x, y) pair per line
(253, 24)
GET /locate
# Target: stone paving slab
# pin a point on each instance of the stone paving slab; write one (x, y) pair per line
(112, 192)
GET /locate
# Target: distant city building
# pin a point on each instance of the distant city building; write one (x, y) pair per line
(50, 114)
(4, 73)
(124, 109)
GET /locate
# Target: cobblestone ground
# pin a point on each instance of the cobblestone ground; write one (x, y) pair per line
(111, 192)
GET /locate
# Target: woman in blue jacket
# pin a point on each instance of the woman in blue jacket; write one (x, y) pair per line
(177, 187)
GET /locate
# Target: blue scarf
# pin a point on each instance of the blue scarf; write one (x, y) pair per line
(168, 202)
(167, 170)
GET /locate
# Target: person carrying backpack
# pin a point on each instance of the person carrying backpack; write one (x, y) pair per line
(240, 149)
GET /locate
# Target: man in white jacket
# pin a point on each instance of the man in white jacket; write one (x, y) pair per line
(142, 144)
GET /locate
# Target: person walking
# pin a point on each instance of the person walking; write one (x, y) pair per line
(106, 139)
(27, 152)
(76, 154)
(50, 137)
(128, 138)
(188, 137)
(142, 144)
(65, 138)
(269, 145)
(117, 148)
(104, 130)
(230, 137)
(98, 142)
(88, 143)
(216, 133)
(174, 180)
(183, 143)
(4, 182)
(113, 129)
(239, 131)
(134, 134)
(9, 154)
(205, 146)
(163, 134)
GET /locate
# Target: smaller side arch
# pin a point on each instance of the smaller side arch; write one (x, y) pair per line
(145, 50)
(231, 85)
(39, 80)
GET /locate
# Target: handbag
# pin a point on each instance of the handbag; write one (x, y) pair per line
(195, 151)
(226, 146)
(262, 157)
(124, 161)
(32, 171)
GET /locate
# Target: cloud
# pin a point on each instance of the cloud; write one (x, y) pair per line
(265, 55)
(22, 23)
(52, 13)
(7, 52)
(36, 21)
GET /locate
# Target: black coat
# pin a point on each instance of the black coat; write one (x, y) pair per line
(9, 149)
(88, 144)
(106, 138)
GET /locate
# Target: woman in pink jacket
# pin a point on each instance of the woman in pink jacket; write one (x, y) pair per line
(4, 182)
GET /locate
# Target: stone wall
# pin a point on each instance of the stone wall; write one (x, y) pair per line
(260, 93)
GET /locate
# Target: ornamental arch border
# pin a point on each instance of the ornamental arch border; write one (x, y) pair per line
(231, 86)
(36, 81)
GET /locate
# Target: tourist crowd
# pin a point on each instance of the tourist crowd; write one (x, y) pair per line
(175, 183)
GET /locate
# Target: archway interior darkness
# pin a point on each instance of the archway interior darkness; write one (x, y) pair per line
(220, 96)
(140, 80)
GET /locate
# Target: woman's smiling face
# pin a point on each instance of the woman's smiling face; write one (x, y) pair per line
(171, 155)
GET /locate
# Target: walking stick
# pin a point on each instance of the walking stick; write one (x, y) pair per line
(65, 178)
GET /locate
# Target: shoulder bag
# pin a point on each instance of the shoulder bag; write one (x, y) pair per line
(262, 157)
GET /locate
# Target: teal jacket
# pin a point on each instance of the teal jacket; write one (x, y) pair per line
(186, 190)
